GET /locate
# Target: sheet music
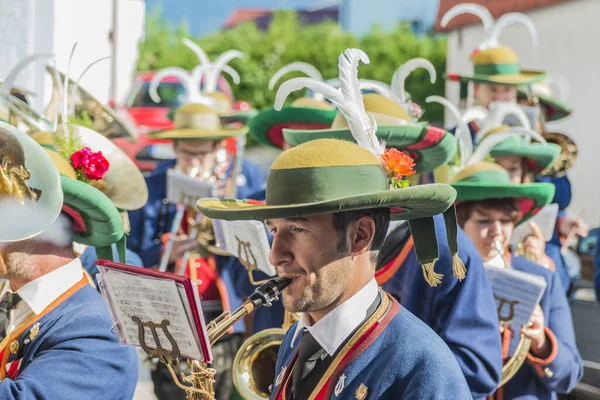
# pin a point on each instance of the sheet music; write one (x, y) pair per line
(516, 293)
(183, 189)
(545, 219)
(247, 240)
(152, 299)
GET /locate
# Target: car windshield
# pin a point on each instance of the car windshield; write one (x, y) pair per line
(171, 95)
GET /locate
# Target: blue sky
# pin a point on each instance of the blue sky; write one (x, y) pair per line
(206, 16)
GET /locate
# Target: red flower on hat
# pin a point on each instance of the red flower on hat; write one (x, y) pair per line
(398, 163)
(91, 164)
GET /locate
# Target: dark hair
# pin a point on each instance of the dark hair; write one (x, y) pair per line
(381, 217)
(466, 209)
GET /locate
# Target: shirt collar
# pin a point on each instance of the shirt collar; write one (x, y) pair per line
(333, 329)
(41, 292)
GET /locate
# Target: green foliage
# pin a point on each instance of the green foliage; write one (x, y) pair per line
(287, 41)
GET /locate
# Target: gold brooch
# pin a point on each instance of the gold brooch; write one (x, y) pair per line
(361, 392)
(34, 331)
(14, 347)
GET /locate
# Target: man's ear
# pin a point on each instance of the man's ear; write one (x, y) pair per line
(363, 232)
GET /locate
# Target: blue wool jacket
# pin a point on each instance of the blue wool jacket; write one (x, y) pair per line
(156, 218)
(461, 313)
(73, 356)
(406, 361)
(543, 379)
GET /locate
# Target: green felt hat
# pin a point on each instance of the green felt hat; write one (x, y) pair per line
(487, 181)
(498, 66)
(97, 221)
(304, 113)
(538, 157)
(429, 146)
(198, 122)
(329, 176)
(554, 109)
(29, 185)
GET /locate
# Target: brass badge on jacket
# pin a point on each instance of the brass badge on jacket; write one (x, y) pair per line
(34, 331)
(361, 392)
(13, 347)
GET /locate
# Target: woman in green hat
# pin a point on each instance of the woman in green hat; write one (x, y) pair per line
(488, 208)
(328, 205)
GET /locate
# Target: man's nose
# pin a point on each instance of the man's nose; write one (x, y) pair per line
(280, 253)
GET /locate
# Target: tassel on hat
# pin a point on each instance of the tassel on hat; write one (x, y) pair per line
(458, 267)
(426, 246)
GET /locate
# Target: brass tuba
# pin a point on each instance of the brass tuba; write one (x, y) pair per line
(104, 120)
(254, 364)
(568, 153)
(514, 363)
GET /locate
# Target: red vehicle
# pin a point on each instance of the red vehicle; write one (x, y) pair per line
(150, 117)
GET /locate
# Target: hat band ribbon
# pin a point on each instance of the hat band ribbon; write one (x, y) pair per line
(497, 69)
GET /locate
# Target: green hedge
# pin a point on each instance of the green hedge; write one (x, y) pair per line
(287, 41)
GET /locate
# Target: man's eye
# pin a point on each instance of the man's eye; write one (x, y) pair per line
(297, 230)
(273, 230)
(483, 221)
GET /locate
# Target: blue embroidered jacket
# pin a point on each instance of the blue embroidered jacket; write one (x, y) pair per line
(73, 356)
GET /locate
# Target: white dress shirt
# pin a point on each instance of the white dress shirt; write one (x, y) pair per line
(41, 292)
(333, 329)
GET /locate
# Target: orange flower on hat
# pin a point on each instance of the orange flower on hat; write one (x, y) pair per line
(397, 163)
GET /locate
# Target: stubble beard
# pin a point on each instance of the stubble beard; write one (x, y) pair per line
(327, 289)
(16, 261)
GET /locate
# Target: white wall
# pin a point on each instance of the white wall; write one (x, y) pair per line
(52, 26)
(568, 46)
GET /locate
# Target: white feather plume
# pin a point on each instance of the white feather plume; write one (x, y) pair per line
(379, 87)
(192, 89)
(76, 85)
(11, 78)
(201, 54)
(64, 106)
(557, 81)
(528, 134)
(475, 113)
(403, 71)
(348, 99)
(213, 70)
(470, 8)
(299, 66)
(498, 113)
(462, 134)
(506, 20)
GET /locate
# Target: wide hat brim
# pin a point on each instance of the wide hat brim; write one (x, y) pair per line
(556, 110)
(266, 127)
(97, 221)
(531, 197)
(23, 222)
(429, 146)
(199, 133)
(540, 156)
(524, 77)
(404, 204)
